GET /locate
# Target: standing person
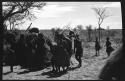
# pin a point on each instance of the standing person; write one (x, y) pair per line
(11, 57)
(11, 50)
(12, 53)
(109, 48)
(29, 50)
(21, 51)
(97, 47)
(78, 50)
(71, 36)
(40, 51)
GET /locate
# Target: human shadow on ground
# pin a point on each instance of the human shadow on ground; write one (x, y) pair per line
(52, 74)
(32, 70)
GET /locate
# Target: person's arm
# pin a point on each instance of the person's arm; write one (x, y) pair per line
(104, 44)
(10, 50)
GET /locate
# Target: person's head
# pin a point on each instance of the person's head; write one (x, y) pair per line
(22, 36)
(77, 36)
(62, 36)
(96, 38)
(40, 35)
(35, 30)
(107, 38)
(71, 33)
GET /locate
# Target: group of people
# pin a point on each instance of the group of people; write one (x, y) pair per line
(63, 48)
(28, 50)
(108, 45)
(31, 50)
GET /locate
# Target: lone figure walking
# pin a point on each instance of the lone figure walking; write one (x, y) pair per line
(109, 48)
(97, 47)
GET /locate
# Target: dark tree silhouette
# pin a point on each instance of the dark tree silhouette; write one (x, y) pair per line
(17, 11)
(101, 13)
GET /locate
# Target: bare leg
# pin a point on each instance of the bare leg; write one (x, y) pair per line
(96, 53)
(63, 67)
(11, 68)
(80, 61)
(58, 69)
(54, 68)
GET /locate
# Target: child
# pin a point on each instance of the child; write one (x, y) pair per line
(109, 48)
(97, 47)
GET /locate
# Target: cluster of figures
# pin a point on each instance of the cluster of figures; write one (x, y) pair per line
(64, 48)
(32, 50)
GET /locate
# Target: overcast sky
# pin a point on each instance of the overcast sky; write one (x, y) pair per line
(59, 14)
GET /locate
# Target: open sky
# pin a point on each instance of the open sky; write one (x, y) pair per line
(59, 14)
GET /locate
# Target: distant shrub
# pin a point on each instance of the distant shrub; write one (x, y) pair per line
(117, 40)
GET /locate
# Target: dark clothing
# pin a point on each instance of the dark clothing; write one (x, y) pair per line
(79, 51)
(40, 52)
(109, 48)
(28, 54)
(21, 52)
(10, 58)
(68, 45)
(60, 56)
(97, 46)
(78, 58)
(108, 43)
(78, 47)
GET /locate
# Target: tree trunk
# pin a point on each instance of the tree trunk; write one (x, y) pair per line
(99, 34)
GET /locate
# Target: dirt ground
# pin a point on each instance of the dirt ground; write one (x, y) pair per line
(90, 69)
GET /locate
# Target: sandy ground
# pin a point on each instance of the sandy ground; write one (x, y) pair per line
(90, 69)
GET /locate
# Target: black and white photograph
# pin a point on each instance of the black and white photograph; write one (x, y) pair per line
(62, 40)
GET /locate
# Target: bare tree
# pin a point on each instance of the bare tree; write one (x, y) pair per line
(108, 33)
(67, 26)
(101, 15)
(14, 22)
(17, 11)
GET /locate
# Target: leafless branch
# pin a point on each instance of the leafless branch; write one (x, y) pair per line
(15, 12)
